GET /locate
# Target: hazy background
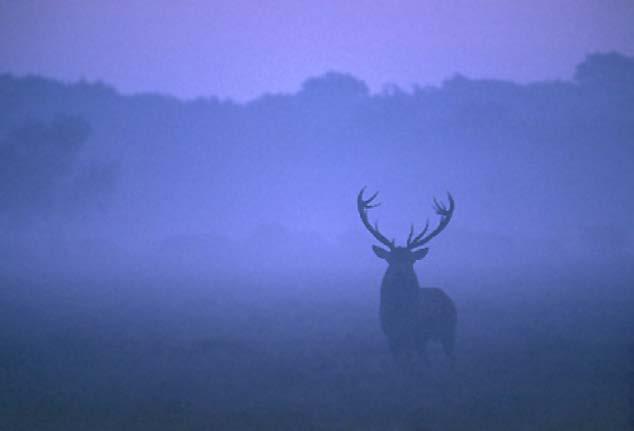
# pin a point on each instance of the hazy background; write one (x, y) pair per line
(541, 173)
(179, 241)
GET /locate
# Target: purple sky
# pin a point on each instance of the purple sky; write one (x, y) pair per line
(240, 48)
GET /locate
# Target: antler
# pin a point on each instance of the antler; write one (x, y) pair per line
(363, 206)
(445, 216)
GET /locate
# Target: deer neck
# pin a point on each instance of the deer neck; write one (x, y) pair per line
(400, 284)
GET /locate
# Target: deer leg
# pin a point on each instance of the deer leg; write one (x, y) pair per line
(421, 347)
(403, 352)
(448, 342)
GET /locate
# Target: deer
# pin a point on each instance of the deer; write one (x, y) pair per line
(411, 316)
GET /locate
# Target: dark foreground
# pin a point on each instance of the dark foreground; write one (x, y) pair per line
(167, 354)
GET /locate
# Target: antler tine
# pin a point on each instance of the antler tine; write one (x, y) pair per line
(411, 233)
(451, 203)
(445, 216)
(439, 207)
(420, 235)
(362, 206)
(371, 198)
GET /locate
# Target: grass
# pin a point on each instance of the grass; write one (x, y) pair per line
(164, 354)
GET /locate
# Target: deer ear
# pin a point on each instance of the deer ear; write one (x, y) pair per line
(419, 254)
(380, 252)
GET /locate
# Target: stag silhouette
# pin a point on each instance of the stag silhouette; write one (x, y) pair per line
(410, 315)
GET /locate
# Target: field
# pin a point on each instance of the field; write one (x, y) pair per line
(547, 352)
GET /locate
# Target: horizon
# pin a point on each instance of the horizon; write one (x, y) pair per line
(387, 89)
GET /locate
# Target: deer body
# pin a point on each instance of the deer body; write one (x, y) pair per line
(410, 315)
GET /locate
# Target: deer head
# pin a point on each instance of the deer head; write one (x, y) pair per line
(412, 251)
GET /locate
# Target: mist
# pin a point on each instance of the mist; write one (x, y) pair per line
(200, 264)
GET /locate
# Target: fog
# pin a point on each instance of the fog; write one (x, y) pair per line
(200, 264)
